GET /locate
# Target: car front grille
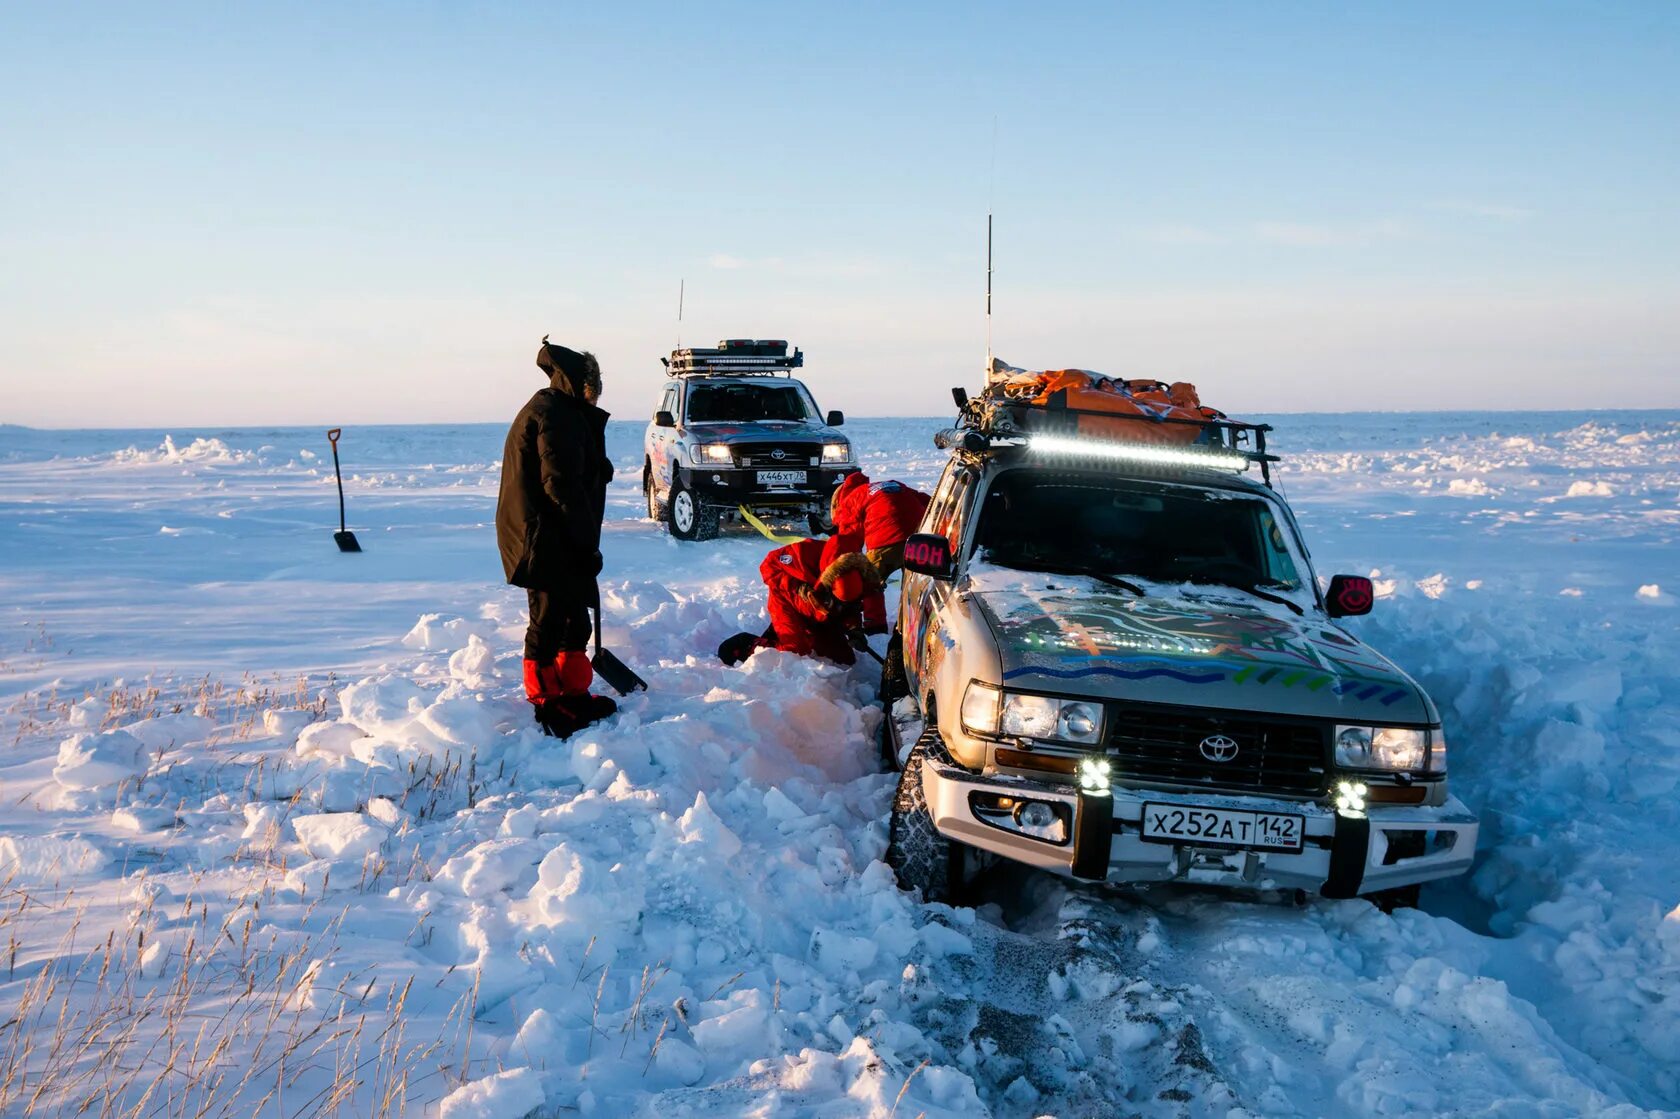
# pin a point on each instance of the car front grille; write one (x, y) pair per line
(1164, 745)
(763, 455)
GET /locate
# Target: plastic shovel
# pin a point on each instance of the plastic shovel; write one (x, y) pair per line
(344, 538)
(618, 675)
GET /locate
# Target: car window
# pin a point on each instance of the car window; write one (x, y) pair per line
(951, 520)
(750, 403)
(668, 402)
(1169, 534)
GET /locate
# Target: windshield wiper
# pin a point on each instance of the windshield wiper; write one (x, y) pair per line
(1258, 592)
(1099, 576)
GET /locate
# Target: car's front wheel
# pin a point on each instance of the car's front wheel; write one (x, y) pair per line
(894, 687)
(655, 511)
(922, 859)
(687, 517)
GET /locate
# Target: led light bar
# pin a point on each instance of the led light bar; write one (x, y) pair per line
(1134, 452)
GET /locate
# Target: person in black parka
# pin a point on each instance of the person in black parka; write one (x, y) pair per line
(548, 526)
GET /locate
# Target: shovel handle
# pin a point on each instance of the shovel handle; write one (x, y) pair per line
(332, 436)
(597, 596)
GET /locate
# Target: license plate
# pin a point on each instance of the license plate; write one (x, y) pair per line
(1194, 826)
(781, 477)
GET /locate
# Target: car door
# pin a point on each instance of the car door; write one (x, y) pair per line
(924, 596)
(662, 440)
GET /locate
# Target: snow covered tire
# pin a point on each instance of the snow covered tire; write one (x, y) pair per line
(894, 687)
(920, 857)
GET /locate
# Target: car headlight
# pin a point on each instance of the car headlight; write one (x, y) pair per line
(837, 452)
(980, 708)
(1391, 748)
(714, 452)
(987, 710)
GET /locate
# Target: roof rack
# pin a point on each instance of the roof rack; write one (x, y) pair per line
(991, 422)
(735, 357)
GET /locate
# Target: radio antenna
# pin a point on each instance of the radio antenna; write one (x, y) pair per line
(988, 297)
(682, 285)
(990, 202)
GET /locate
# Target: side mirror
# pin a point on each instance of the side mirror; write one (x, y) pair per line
(1349, 596)
(836, 418)
(663, 418)
(928, 553)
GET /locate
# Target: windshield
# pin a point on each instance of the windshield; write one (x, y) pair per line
(1167, 534)
(741, 404)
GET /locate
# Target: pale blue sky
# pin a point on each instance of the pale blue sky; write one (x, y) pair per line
(370, 213)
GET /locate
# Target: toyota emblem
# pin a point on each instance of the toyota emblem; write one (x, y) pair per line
(1219, 748)
(778, 454)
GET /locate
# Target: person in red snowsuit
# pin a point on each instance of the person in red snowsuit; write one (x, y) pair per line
(874, 518)
(813, 606)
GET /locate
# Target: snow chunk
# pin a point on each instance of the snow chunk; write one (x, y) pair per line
(50, 857)
(474, 665)
(167, 731)
(513, 1094)
(489, 868)
(1468, 487)
(331, 740)
(94, 761)
(198, 451)
(435, 633)
(336, 835)
(701, 825)
(1590, 489)
(285, 724)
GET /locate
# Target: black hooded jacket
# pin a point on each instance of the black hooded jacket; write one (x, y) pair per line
(554, 482)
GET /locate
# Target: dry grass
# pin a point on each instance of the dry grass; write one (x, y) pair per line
(182, 1014)
(236, 708)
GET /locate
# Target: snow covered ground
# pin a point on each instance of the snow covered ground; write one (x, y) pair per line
(276, 838)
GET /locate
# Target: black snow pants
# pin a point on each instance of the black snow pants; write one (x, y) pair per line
(559, 623)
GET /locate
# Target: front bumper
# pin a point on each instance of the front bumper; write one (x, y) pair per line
(733, 485)
(1342, 856)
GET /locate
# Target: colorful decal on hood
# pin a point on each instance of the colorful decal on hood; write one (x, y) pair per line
(1070, 638)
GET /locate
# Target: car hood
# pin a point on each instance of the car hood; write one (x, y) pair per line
(766, 431)
(1073, 635)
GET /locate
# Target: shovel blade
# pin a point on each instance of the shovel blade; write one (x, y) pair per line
(618, 675)
(346, 542)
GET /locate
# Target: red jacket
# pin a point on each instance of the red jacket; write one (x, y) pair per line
(801, 625)
(876, 515)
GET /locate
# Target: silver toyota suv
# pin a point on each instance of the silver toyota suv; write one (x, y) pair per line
(734, 435)
(1114, 662)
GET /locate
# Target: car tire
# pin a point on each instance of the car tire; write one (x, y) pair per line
(920, 857)
(687, 517)
(894, 687)
(655, 510)
(1400, 897)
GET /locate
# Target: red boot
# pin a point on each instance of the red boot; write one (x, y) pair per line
(542, 690)
(575, 674)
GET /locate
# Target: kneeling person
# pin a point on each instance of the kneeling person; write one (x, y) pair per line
(814, 608)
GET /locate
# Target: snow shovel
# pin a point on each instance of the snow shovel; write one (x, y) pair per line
(618, 675)
(344, 538)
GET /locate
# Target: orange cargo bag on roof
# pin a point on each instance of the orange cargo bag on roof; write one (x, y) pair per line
(1127, 401)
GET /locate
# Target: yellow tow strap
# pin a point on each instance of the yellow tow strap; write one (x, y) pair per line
(764, 529)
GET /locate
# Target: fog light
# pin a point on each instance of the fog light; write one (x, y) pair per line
(1350, 798)
(1093, 776)
(1036, 814)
